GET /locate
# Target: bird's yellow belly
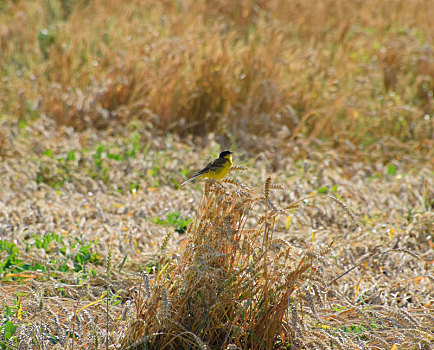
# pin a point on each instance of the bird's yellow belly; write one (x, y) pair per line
(218, 174)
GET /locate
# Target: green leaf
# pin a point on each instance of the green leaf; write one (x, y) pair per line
(391, 169)
(48, 153)
(10, 328)
(114, 156)
(323, 189)
(172, 218)
(70, 156)
(134, 186)
(22, 124)
(9, 311)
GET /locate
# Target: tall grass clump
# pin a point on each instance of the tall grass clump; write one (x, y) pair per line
(232, 284)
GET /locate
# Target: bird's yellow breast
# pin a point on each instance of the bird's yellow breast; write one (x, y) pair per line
(221, 172)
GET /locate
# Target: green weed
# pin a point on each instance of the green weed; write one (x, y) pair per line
(391, 169)
(174, 219)
(71, 250)
(66, 255)
(8, 339)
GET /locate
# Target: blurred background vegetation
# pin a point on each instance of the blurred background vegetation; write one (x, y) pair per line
(346, 73)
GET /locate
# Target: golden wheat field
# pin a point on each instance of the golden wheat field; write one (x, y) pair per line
(320, 237)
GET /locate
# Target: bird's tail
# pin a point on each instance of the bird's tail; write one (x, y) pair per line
(191, 178)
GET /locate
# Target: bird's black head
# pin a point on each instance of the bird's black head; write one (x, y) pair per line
(224, 154)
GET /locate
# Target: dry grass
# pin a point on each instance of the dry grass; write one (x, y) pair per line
(340, 71)
(92, 249)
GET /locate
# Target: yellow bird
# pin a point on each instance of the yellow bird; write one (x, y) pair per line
(217, 169)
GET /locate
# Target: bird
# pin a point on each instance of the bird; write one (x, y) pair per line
(217, 169)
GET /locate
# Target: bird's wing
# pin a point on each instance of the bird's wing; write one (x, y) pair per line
(215, 164)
